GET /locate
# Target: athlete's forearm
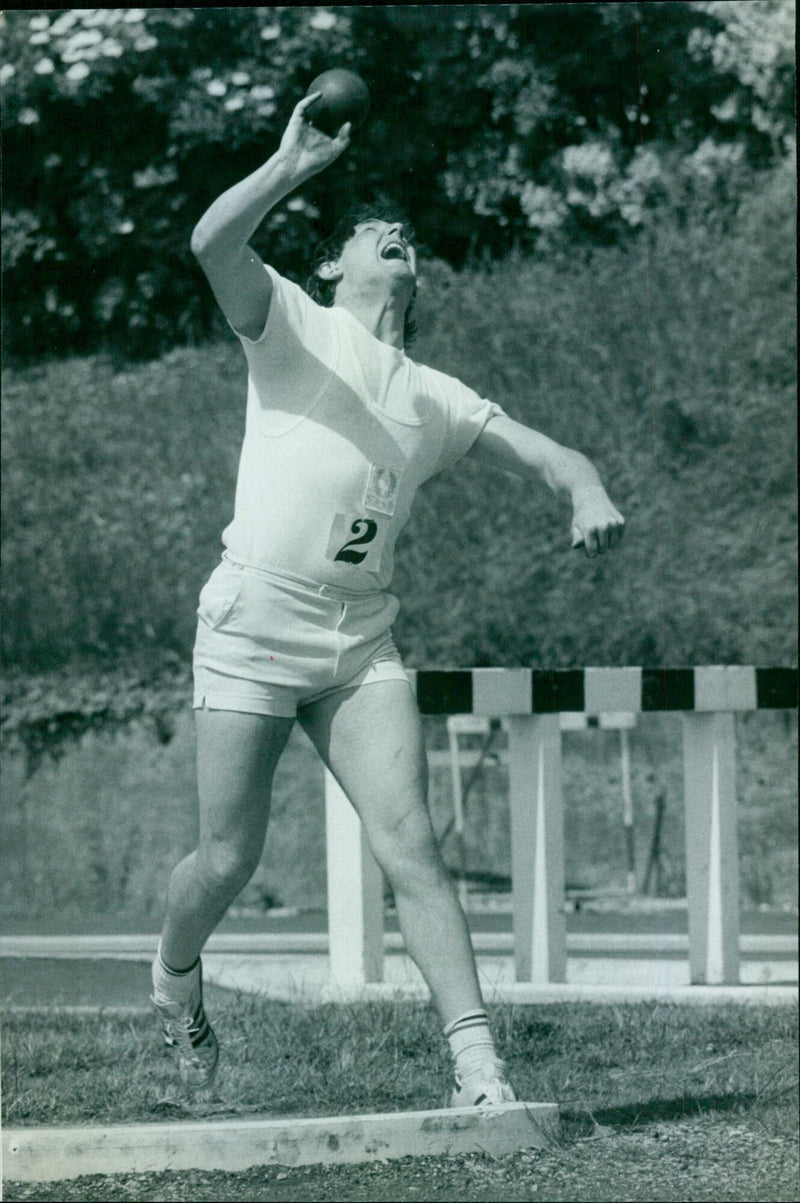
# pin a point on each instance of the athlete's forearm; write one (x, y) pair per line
(569, 472)
(597, 524)
(516, 448)
(230, 222)
(226, 227)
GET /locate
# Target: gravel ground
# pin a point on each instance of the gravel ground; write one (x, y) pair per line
(686, 1161)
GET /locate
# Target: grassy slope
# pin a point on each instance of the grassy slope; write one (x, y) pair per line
(673, 368)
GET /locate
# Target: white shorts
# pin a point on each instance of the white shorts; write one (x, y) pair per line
(268, 644)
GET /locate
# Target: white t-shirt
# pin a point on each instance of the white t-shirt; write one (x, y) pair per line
(341, 431)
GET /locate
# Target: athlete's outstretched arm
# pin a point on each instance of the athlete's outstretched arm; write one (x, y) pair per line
(597, 524)
(220, 238)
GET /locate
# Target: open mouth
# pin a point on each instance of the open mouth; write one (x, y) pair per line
(394, 250)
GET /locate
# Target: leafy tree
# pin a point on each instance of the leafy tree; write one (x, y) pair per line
(498, 127)
(571, 119)
(127, 122)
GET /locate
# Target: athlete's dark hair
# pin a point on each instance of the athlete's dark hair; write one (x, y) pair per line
(324, 291)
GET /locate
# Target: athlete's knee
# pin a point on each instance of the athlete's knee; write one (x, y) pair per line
(407, 850)
(226, 866)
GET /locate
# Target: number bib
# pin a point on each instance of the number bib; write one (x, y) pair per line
(357, 540)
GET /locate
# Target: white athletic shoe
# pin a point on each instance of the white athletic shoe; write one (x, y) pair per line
(186, 1029)
(488, 1089)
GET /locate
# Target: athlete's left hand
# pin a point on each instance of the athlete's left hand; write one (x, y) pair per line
(597, 524)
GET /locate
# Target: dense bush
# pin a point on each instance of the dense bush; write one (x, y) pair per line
(671, 364)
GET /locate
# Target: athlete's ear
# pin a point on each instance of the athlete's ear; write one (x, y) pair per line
(330, 271)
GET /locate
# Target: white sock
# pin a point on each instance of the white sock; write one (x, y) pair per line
(471, 1045)
(175, 985)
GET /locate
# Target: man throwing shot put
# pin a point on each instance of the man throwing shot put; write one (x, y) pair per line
(342, 428)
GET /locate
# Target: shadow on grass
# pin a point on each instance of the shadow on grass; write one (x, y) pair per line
(579, 1122)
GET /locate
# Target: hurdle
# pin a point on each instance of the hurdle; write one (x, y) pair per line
(705, 699)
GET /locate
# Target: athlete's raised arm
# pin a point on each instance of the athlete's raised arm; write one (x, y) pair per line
(597, 524)
(220, 238)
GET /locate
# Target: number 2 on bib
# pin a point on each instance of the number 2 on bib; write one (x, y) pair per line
(357, 541)
(365, 530)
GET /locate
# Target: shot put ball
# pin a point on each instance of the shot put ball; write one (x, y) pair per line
(345, 97)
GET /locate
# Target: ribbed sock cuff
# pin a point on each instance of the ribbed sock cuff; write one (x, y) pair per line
(177, 972)
(175, 985)
(471, 1044)
(471, 1019)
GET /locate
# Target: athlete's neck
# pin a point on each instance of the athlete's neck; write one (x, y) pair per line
(384, 316)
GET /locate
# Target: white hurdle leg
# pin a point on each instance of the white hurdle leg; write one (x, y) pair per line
(355, 894)
(712, 857)
(627, 808)
(537, 848)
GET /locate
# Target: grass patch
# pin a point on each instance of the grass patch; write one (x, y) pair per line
(659, 1102)
(623, 1066)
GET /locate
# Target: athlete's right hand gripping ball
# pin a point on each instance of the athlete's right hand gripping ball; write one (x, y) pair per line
(345, 97)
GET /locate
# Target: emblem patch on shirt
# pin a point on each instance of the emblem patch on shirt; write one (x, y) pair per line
(381, 491)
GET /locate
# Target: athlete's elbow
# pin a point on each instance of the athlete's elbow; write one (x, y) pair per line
(200, 242)
(209, 240)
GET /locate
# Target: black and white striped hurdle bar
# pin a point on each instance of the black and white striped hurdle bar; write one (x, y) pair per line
(509, 691)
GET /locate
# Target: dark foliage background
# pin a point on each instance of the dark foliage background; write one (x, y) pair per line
(497, 126)
(605, 196)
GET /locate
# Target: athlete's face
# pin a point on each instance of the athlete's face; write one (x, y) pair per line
(379, 246)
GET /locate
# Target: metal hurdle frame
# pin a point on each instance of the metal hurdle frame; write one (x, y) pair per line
(706, 698)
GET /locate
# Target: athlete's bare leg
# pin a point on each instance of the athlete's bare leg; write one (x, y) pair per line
(236, 759)
(371, 739)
